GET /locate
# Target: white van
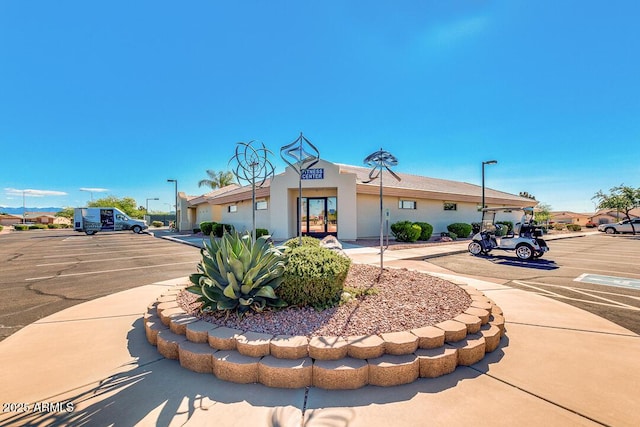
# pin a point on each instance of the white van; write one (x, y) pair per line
(92, 220)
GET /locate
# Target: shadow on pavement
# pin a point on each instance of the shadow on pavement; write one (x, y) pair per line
(153, 384)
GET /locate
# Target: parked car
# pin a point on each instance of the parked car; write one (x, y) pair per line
(621, 227)
(591, 224)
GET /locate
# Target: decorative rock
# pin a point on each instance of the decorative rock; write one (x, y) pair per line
(234, 367)
(167, 298)
(480, 298)
(289, 347)
(453, 331)
(470, 290)
(285, 373)
(391, 370)
(491, 334)
(496, 310)
(328, 348)
(481, 313)
(473, 322)
(253, 344)
(223, 338)
(470, 350)
(178, 323)
(344, 374)
(165, 315)
(398, 343)
(168, 343)
(199, 331)
(429, 337)
(365, 346)
(435, 362)
(196, 357)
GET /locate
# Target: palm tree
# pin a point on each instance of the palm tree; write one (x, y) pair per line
(217, 179)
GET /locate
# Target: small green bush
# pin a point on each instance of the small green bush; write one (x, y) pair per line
(405, 231)
(261, 232)
(508, 224)
(219, 229)
(314, 276)
(453, 235)
(574, 227)
(1, 227)
(37, 227)
(426, 230)
(157, 223)
(20, 227)
(306, 241)
(461, 229)
(558, 226)
(207, 227)
(52, 226)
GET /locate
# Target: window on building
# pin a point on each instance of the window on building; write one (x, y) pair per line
(450, 206)
(407, 204)
(261, 205)
(233, 208)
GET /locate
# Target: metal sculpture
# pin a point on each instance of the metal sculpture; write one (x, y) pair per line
(254, 167)
(302, 158)
(379, 160)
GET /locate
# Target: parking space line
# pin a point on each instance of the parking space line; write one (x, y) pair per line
(103, 260)
(106, 271)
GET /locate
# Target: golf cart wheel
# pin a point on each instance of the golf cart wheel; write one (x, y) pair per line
(524, 251)
(610, 230)
(90, 232)
(475, 248)
(136, 229)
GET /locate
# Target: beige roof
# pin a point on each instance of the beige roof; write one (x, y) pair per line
(205, 198)
(409, 186)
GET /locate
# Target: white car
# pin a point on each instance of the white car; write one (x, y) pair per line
(621, 227)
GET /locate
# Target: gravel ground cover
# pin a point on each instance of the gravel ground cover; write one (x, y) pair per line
(401, 300)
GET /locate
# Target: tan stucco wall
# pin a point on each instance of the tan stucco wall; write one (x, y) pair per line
(242, 219)
(284, 195)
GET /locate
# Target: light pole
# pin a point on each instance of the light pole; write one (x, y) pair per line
(88, 191)
(488, 162)
(147, 205)
(175, 181)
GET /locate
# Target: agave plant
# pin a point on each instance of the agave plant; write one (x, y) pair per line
(238, 274)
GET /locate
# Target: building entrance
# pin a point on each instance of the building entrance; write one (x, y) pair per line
(319, 216)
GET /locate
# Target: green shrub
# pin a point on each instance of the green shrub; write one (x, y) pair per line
(306, 241)
(574, 227)
(453, 235)
(157, 223)
(20, 227)
(51, 226)
(461, 229)
(1, 227)
(261, 232)
(508, 224)
(426, 230)
(314, 276)
(237, 274)
(37, 227)
(207, 227)
(219, 229)
(405, 231)
(558, 226)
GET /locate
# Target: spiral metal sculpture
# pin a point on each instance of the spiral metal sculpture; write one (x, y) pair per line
(380, 160)
(300, 157)
(254, 167)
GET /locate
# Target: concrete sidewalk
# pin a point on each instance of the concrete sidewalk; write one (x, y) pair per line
(556, 366)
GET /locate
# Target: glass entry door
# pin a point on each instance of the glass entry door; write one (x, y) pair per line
(319, 216)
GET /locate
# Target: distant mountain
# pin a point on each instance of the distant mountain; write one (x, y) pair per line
(14, 211)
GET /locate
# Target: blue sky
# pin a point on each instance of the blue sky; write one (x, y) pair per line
(123, 95)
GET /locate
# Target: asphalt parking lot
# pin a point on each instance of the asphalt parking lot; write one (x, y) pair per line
(45, 271)
(598, 273)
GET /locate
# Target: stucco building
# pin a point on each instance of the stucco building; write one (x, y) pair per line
(336, 199)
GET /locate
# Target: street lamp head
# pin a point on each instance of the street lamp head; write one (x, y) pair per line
(490, 162)
(171, 180)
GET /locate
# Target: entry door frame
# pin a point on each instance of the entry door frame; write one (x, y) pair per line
(325, 231)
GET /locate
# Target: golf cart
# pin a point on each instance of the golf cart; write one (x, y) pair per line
(525, 239)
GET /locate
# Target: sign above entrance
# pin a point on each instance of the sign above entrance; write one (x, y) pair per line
(314, 173)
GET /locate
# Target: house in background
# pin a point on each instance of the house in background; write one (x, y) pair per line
(566, 217)
(338, 200)
(609, 216)
(8, 219)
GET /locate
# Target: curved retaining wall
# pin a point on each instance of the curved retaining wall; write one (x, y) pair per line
(326, 362)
